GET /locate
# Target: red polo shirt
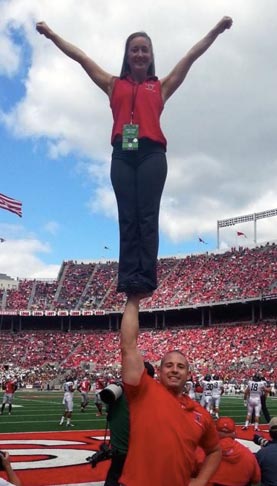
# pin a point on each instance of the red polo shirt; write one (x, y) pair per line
(164, 433)
(145, 100)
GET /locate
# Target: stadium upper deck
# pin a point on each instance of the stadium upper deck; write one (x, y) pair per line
(239, 286)
(236, 275)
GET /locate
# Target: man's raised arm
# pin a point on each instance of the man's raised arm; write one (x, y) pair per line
(132, 362)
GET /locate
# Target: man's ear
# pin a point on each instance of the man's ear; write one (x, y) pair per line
(159, 373)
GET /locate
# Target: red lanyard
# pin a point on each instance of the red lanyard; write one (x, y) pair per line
(135, 88)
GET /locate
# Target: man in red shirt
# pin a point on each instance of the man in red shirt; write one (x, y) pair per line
(99, 386)
(239, 466)
(165, 425)
(84, 387)
(9, 386)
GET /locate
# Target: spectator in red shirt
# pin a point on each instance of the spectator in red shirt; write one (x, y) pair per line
(239, 466)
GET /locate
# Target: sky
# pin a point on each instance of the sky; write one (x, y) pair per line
(55, 127)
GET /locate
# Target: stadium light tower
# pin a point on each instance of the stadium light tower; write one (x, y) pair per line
(222, 223)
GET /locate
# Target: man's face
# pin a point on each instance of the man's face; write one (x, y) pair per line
(174, 372)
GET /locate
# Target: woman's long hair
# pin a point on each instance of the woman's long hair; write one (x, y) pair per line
(125, 69)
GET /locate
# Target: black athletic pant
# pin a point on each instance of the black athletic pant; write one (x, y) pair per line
(265, 409)
(138, 179)
(115, 469)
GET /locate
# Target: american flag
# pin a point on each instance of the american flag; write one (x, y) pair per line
(11, 204)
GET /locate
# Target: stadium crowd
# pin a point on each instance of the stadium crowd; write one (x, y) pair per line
(42, 358)
(237, 274)
(235, 351)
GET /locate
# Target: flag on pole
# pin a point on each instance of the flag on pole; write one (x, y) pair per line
(11, 204)
(240, 233)
(202, 241)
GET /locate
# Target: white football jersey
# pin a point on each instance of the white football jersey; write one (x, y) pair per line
(217, 388)
(190, 389)
(255, 388)
(207, 388)
(68, 387)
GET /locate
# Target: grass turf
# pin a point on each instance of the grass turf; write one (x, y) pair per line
(36, 411)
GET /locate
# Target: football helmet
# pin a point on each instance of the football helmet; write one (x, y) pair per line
(256, 377)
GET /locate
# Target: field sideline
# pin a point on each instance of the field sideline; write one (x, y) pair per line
(40, 411)
(46, 454)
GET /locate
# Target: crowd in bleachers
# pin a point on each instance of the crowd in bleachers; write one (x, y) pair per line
(235, 352)
(19, 299)
(43, 295)
(206, 278)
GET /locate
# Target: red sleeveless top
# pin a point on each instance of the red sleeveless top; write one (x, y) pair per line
(145, 100)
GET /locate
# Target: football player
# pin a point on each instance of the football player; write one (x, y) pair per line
(190, 388)
(68, 388)
(252, 400)
(99, 386)
(206, 399)
(217, 391)
(9, 387)
(84, 387)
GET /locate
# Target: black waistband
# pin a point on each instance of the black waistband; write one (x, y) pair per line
(144, 143)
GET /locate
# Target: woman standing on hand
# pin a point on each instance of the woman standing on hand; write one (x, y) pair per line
(139, 166)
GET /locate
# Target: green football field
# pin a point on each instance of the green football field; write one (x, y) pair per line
(36, 411)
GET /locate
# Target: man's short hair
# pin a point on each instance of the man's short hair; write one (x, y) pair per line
(174, 351)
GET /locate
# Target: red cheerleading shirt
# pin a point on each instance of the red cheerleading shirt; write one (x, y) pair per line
(146, 101)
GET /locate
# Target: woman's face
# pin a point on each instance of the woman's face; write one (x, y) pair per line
(139, 56)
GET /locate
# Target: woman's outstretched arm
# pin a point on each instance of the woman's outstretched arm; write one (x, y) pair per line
(173, 80)
(100, 77)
